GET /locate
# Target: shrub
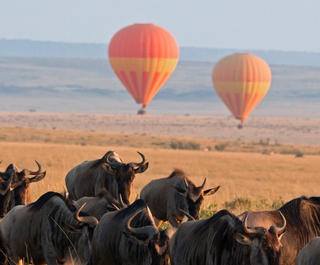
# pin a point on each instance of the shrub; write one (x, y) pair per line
(185, 145)
(208, 211)
(220, 147)
(239, 204)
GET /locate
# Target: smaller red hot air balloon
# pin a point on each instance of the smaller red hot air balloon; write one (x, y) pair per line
(241, 80)
(143, 56)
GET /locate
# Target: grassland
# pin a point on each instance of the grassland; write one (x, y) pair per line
(248, 178)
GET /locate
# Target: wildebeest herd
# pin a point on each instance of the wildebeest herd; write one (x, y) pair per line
(95, 223)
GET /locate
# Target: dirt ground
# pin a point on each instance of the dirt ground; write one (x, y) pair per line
(281, 130)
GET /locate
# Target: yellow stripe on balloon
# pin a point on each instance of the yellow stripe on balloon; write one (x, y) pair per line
(143, 77)
(241, 97)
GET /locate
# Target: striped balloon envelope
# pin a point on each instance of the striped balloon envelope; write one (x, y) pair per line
(143, 56)
(241, 80)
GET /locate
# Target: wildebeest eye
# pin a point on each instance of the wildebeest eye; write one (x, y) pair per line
(180, 190)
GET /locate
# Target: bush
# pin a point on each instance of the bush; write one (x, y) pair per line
(239, 204)
(185, 145)
(276, 204)
(220, 147)
(208, 211)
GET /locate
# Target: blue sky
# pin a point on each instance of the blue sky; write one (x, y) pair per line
(242, 24)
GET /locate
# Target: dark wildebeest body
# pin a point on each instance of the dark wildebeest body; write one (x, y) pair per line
(109, 172)
(303, 224)
(129, 237)
(166, 197)
(224, 240)
(99, 205)
(46, 231)
(310, 254)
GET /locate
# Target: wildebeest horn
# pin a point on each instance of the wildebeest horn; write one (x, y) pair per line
(278, 230)
(250, 230)
(38, 174)
(187, 214)
(150, 230)
(85, 219)
(151, 217)
(204, 183)
(142, 162)
(112, 162)
(115, 206)
(186, 182)
(122, 204)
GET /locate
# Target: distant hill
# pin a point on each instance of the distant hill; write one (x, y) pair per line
(29, 48)
(89, 85)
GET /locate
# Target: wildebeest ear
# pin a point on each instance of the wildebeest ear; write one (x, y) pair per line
(242, 239)
(142, 168)
(211, 191)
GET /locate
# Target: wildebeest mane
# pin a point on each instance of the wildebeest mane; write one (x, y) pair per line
(38, 204)
(177, 173)
(214, 241)
(303, 213)
(137, 253)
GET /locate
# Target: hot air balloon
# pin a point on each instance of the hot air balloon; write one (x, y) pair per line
(143, 56)
(241, 80)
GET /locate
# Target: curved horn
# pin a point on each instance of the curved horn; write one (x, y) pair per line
(151, 217)
(186, 182)
(112, 162)
(115, 206)
(149, 229)
(204, 183)
(245, 226)
(187, 214)
(85, 219)
(142, 162)
(122, 204)
(35, 172)
(280, 229)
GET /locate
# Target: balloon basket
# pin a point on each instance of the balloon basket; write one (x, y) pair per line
(142, 111)
(240, 126)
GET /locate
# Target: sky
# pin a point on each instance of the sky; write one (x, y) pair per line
(290, 25)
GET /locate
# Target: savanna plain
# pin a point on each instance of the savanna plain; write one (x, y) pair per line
(261, 173)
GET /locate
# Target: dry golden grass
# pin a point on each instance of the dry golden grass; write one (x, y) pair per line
(242, 175)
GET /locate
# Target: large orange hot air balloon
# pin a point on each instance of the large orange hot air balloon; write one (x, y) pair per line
(241, 80)
(143, 56)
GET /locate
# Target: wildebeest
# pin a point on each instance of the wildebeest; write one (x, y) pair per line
(18, 192)
(310, 254)
(172, 197)
(129, 236)
(167, 198)
(303, 224)
(47, 231)
(21, 183)
(109, 172)
(225, 240)
(99, 205)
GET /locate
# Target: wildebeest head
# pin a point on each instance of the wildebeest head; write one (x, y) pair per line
(264, 243)
(196, 196)
(141, 228)
(125, 173)
(22, 180)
